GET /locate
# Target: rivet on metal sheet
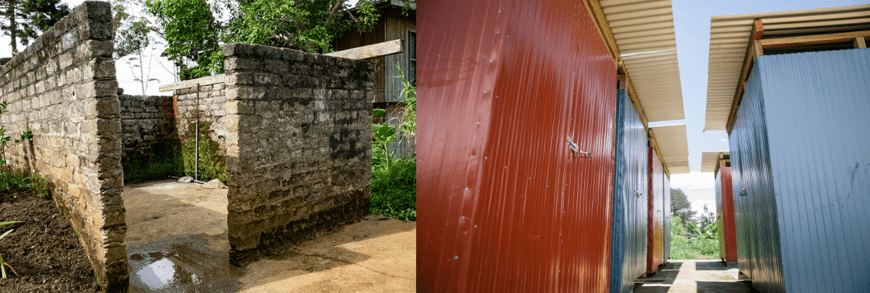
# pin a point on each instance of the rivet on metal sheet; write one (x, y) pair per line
(456, 257)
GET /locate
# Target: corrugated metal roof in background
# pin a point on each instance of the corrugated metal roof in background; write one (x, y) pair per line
(755, 208)
(629, 198)
(729, 39)
(674, 145)
(644, 32)
(818, 128)
(709, 161)
(503, 205)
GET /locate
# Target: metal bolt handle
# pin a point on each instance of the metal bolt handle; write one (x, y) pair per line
(638, 194)
(742, 192)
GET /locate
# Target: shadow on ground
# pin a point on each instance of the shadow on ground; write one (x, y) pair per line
(693, 276)
(177, 242)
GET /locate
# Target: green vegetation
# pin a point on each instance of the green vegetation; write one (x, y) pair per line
(191, 32)
(158, 162)
(195, 30)
(2, 263)
(687, 240)
(310, 25)
(161, 160)
(25, 20)
(211, 166)
(12, 180)
(394, 180)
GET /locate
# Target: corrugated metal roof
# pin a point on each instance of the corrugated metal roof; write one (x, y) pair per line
(709, 160)
(644, 32)
(729, 39)
(674, 146)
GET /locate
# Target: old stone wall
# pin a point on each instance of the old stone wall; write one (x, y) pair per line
(298, 145)
(208, 107)
(149, 138)
(63, 88)
(145, 121)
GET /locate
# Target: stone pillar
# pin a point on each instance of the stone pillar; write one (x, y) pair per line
(298, 146)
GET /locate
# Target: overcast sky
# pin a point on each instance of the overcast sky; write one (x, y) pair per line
(692, 21)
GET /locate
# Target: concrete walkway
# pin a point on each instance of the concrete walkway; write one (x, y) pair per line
(177, 242)
(694, 276)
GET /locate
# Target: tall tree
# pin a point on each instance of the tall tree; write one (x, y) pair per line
(681, 207)
(25, 20)
(192, 35)
(310, 25)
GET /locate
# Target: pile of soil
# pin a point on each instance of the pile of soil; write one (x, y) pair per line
(44, 250)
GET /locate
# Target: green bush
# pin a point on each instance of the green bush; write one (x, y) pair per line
(394, 180)
(705, 246)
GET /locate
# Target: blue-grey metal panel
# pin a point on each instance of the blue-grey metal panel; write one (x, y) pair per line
(758, 242)
(628, 253)
(667, 199)
(817, 109)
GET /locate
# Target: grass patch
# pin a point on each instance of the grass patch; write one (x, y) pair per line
(705, 246)
(394, 189)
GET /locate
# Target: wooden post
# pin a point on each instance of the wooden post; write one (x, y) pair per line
(859, 43)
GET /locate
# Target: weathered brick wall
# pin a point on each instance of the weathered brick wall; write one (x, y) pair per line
(63, 88)
(146, 120)
(298, 145)
(159, 133)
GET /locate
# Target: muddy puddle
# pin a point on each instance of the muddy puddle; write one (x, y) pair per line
(181, 263)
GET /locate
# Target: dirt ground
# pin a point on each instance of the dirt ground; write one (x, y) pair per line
(44, 250)
(699, 276)
(177, 242)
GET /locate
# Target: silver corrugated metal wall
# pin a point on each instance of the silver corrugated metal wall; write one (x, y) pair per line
(800, 155)
(628, 255)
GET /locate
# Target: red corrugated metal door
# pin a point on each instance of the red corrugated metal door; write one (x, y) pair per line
(655, 232)
(503, 205)
(728, 215)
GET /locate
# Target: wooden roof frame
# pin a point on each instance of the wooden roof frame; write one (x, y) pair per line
(756, 48)
(655, 145)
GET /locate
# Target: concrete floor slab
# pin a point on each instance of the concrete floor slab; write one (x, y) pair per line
(699, 276)
(177, 242)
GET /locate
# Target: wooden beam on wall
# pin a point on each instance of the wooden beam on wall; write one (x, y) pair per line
(860, 43)
(752, 51)
(655, 142)
(813, 40)
(603, 27)
(625, 80)
(214, 79)
(371, 51)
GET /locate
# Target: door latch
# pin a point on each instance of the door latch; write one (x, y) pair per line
(742, 192)
(576, 150)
